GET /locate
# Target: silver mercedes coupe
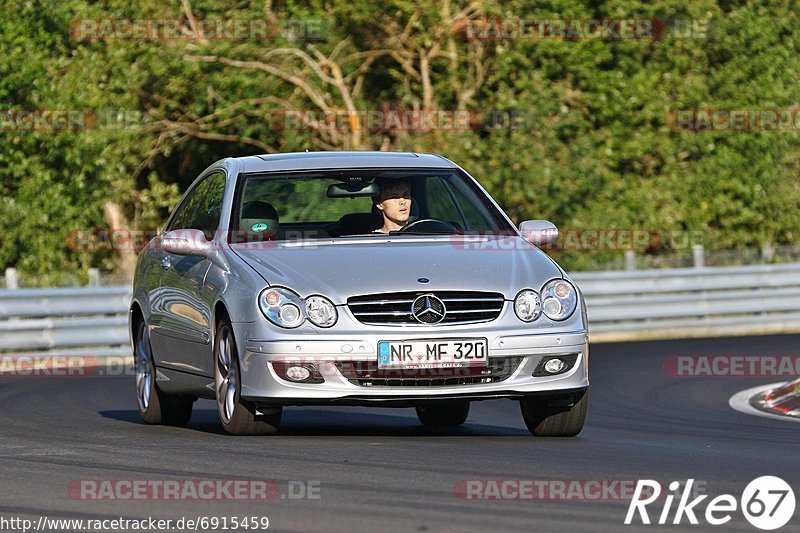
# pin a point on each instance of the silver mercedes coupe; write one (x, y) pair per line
(353, 278)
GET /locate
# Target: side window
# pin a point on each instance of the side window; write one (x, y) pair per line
(453, 201)
(202, 209)
(440, 202)
(179, 220)
(474, 218)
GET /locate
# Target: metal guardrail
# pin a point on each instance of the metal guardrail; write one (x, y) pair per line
(692, 302)
(685, 302)
(66, 321)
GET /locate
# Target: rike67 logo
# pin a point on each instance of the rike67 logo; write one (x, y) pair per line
(767, 502)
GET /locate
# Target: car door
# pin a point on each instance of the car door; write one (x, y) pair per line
(182, 336)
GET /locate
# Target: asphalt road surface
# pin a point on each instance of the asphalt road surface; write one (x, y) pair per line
(380, 470)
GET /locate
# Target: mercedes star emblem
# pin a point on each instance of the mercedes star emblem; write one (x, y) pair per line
(428, 309)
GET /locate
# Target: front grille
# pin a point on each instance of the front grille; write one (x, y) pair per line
(461, 307)
(367, 374)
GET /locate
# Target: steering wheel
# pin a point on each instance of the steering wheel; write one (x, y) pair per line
(429, 225)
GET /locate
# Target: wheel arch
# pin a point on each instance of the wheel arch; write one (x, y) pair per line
(135, 314)
(218, 312)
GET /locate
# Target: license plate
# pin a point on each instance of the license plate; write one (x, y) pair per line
(447, 353)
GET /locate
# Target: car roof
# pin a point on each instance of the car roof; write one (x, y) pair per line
(335, 160)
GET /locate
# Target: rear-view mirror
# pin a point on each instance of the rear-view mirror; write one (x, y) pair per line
(352, 190)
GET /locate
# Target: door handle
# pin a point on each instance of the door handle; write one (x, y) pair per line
(166, 263)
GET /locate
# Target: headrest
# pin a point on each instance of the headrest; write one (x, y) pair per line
(356, 223)
(259, 221)
(259, 210)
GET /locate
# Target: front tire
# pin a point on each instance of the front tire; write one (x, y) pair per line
(237, 415)
(443, 415)
(155, 406)
(560, 418)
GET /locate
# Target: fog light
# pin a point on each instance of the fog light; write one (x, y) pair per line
(554, 366)
(551, 366)
(297, 373)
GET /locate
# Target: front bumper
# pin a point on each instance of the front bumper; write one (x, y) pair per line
(262, 386)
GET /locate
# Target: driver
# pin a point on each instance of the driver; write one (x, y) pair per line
(394, 204)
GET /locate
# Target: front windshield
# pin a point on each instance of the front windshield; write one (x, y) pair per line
(349, 203)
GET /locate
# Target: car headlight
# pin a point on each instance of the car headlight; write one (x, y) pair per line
(559, 299)
(282, 307)
(321, 311)
(527, 305)
(286, 309)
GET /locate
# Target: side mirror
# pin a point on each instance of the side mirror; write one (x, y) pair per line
(538, 232)
(186, 242)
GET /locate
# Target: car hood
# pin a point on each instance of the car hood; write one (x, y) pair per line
(349, 267)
